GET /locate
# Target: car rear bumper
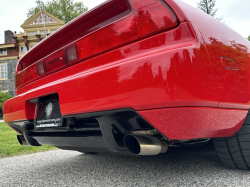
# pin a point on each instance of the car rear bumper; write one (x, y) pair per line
(184, 123)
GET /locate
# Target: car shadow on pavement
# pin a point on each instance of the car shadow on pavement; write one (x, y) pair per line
(183, 166)
(184, 158)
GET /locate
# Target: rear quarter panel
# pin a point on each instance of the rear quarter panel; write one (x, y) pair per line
(221, 40)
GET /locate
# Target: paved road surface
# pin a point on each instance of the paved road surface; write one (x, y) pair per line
(190, 166)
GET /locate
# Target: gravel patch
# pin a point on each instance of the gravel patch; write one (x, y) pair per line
(187, 166)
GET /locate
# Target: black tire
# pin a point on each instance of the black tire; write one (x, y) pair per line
(234, 151)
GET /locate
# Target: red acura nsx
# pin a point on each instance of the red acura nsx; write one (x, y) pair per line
(136, 76)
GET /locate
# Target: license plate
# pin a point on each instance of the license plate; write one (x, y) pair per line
(48, 115)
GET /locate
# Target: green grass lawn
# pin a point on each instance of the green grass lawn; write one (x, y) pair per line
(9, 145)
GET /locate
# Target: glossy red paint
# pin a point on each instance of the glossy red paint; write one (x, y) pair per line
(55, 62)
(195, 122)
(233, 86)
(173, 76)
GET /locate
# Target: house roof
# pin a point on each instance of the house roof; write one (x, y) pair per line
(40, 18)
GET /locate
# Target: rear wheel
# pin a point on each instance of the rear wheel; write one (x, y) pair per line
(234, 151)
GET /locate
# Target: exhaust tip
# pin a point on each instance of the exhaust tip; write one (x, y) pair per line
(132, 144)
(144, 145)
(21, 140)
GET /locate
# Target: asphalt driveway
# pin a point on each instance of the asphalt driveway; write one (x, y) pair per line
(189, 166)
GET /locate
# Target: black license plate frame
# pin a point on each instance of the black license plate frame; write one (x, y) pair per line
(48, 115)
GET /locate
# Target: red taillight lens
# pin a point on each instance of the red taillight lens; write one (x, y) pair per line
(154, 18)
(147, 18)
(110, 37)
(28, 75)
(138, 4)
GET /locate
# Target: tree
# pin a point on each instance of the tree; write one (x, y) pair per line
(3, 97)
(65, 10)
(208, 6)
(248, 37)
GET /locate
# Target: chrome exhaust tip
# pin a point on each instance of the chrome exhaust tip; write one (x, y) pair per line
(21, 140)
(144, 145)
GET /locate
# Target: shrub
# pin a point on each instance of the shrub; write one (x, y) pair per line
(3, 97)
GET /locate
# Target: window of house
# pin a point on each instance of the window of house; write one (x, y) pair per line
(3, 51)
(3, 71)
(31, 33)
(23, 49)
(43, 32)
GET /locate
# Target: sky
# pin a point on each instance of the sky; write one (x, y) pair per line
(236, 13)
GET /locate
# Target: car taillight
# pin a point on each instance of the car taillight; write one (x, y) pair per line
(28, 75)
(138, 4)
(71, 53)
(146, 18)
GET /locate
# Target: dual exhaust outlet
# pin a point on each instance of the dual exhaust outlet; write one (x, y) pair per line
(138, 143)
(143, 143)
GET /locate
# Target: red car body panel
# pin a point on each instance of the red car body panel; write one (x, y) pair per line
(175, 79)
(196, 122)
(221, 40)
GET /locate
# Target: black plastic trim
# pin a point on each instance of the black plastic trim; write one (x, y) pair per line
(30, 141)
(80, 131)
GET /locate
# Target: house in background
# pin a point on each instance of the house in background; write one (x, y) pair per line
(16, 45)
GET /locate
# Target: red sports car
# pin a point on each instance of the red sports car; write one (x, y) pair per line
(136, 76)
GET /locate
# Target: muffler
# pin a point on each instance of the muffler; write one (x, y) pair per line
(21, 140)
(144, 145)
